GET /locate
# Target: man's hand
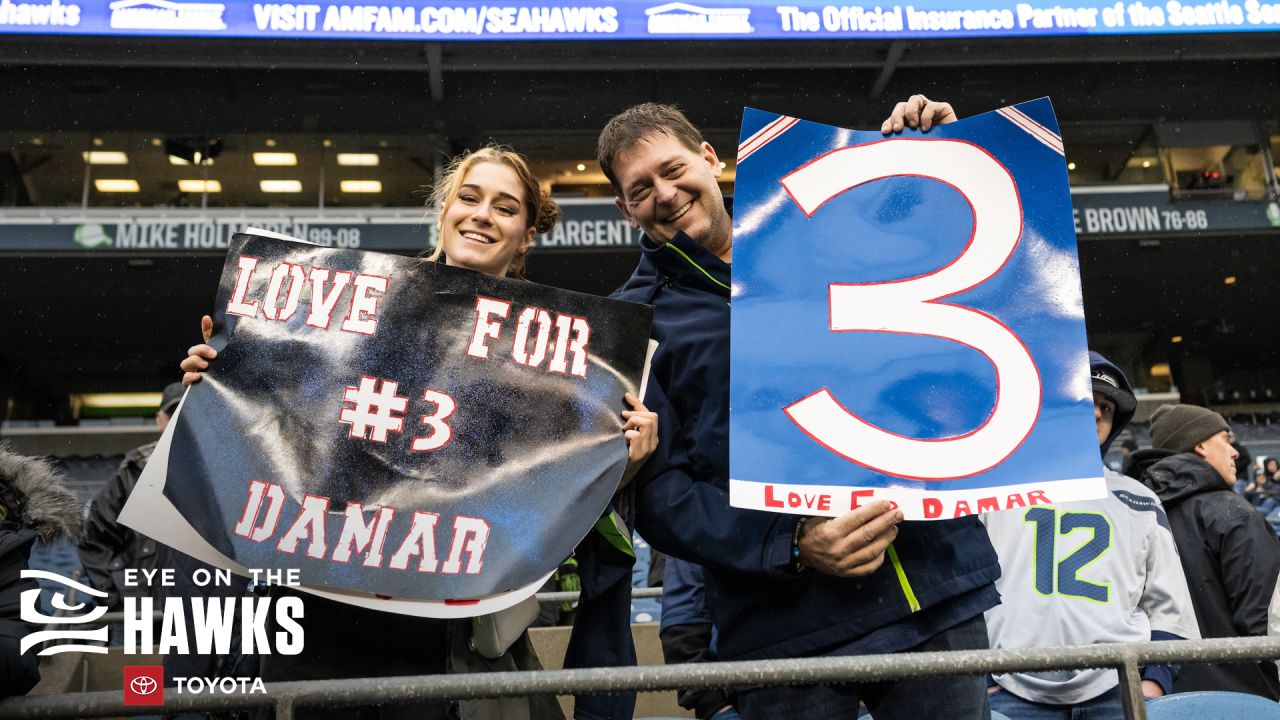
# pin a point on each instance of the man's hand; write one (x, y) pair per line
(198, 356)
(852, 544)
(1151, 689)
(918, 112)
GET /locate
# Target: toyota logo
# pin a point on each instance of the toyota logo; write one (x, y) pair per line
(143, 685)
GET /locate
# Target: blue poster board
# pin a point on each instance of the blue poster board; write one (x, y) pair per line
(907, 319)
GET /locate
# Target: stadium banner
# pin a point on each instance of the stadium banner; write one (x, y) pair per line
(421, 20)
(387, 425)
(585, 224)
(907, 319)
(1150, 210)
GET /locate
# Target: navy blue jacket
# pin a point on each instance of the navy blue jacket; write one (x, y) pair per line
(761, 607)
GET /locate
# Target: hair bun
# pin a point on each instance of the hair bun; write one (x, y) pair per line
(548, 212)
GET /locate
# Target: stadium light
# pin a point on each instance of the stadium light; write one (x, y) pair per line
(360, 186)
(199, 186)
(275, 159)
(105, 157)
(175, 160)
(194, 152)
(358, 159)
(118, 400)
(280, 186)
(119, 185)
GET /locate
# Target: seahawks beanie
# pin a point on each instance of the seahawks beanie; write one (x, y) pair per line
(1181, 427)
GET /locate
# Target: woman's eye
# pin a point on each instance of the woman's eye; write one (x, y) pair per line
(506, 210)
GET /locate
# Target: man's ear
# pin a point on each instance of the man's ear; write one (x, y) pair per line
(626, 212)
(709, 155)
(1199, 449)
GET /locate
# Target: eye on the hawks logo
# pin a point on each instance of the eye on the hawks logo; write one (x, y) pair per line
(143, 685)
(60, 630)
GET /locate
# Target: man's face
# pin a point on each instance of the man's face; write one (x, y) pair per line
(1104, 415)
(1217, 451)
(668, 188)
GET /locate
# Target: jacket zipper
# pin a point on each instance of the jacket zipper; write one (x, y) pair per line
(696, 266)
(902, 579)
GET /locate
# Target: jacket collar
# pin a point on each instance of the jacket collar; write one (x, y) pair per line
(1178, 476)
(685, 260)
(35, 497)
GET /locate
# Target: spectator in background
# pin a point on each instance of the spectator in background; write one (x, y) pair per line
(1244, 459)
(1127, 448)
(1128, 587)
(1272, 467)
(34, 503)
(1263, 492)
(107, 548)
(1230, 555)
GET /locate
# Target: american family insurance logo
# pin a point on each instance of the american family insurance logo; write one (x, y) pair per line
(143, 685)
(679, 18)
(166, 15)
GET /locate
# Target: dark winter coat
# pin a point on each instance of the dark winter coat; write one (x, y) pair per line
(1231, 559)
(108, 548)
(34, 504)
(760, 606)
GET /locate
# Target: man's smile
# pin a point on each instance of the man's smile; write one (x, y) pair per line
(678, 213)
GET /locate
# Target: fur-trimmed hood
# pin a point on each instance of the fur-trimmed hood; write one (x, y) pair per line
(46, 505)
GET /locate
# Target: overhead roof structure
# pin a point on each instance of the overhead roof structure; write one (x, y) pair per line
(78, 322)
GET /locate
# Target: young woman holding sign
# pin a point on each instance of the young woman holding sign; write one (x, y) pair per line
(491, 208)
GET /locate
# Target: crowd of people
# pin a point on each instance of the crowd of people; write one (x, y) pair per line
(1171, 552)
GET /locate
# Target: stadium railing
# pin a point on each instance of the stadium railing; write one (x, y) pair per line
(286, 697)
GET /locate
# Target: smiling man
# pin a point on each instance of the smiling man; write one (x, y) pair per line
(777, 586)
(1229, 554)
(668, 185)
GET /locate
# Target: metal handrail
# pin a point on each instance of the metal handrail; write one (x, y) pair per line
(286, 696)
(542, 597)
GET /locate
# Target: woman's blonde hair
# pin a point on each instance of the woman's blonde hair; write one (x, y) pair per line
(543, 212)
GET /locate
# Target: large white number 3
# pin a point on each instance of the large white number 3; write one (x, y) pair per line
(441, 433)
(914, 307)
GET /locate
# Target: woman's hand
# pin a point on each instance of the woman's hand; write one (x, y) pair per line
(198, 356)
(641, 432)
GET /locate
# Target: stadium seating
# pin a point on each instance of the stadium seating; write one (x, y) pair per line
(1212, 706)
